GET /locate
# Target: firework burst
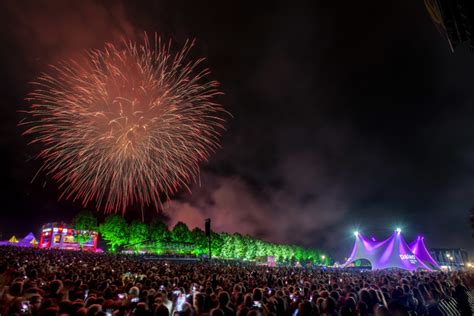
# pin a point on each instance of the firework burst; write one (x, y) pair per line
(125, 126)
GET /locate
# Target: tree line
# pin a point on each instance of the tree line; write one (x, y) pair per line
(158, 238)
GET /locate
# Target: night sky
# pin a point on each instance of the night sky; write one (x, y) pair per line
(350, 115)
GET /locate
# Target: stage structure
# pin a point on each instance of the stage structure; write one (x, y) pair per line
(60, 236)
(393, 252)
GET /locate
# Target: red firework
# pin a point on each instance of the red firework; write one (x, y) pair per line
(127, 125)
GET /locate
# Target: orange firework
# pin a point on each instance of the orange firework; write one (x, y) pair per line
(126, 125)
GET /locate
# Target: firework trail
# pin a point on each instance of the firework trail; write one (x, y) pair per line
(126, 126)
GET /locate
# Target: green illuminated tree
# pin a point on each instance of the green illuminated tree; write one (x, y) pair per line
(250, 247)
(138, 235)
(216, 244)
(239, 246)
(199, 238)
(278, 251)
(260, 248)
(159, 233)
(267, 249)
(228, 246)
(84, 223)
(307, 254)
(298, 251)
(114, 231)
(180, 233)
(288, 253)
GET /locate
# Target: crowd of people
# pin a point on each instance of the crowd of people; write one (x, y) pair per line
(41, 282)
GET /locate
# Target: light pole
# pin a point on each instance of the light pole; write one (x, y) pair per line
(207, 224)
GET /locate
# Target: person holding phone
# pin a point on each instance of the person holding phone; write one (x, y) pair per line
(25, 307)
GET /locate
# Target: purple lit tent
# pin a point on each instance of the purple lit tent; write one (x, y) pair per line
(9, 242)
(393, 252)
(418, 248)
(28, 241)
